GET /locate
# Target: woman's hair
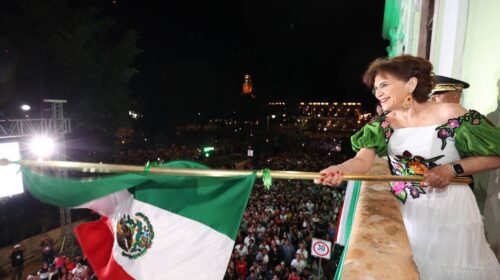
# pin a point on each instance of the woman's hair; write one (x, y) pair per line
(404, 67)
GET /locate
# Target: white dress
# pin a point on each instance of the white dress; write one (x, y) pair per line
(444, 226)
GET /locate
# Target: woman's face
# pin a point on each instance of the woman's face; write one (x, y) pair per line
(390, 91)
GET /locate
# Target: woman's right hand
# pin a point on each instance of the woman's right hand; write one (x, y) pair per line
(331, 176)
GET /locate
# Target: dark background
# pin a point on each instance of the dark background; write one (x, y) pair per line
(181, 58)
(171, 60)
(197, 52)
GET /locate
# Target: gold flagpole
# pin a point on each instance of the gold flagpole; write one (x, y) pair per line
(291, 175)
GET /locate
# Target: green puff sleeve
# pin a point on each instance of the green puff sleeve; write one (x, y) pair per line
(373, 135)
(477, 136)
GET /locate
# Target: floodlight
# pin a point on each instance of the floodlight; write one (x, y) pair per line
(25, 107)
(42, 146)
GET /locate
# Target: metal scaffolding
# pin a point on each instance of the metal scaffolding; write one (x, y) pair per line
(57, 126)
(29, 127)
(61, 126)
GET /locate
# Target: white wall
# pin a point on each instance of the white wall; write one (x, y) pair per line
(448, 36)
(481, 59)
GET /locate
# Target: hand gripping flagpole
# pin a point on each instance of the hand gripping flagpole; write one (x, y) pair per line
(290, 175)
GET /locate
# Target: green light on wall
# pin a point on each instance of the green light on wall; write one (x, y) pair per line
(392, 18)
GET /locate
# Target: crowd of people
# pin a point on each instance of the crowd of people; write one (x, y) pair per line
(53, 267)
(143, 155)
(275, 234)
(64, 268)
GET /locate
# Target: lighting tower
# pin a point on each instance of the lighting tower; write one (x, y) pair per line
(56, 126)
(59, 130)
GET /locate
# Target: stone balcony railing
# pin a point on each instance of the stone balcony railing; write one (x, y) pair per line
(378, 246)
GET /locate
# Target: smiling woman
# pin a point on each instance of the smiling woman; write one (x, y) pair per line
(437, 141)
(415, 70)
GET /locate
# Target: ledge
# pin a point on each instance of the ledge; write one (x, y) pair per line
(378, 246)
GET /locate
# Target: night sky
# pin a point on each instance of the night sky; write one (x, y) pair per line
(196, 52)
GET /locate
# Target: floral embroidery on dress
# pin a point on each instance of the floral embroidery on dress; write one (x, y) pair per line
(407, 165)
(387, 129)
(447, 130)
(385, 125)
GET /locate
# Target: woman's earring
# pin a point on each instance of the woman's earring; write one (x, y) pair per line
(407, 102)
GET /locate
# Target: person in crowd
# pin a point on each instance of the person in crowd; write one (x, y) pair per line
(17, 262)
(53, 273)
(294, 274)
(263, 244)
(253, 249)
(265, 259)
(298, 263)
(80, 270)
(44, 273)
(288, 252)
(306, 274)
(59, 260)
(439, 141)
(241, 267)
(261, 230)
(332, 231)
(62, 274)
(47, 248)
(91, 273)
(256, 268)
(448, 90)
(275, 256)
(251, 276)
(249, 238)
(303, 252)
(315, 219)
(70, 265)
(230, 274)
(310, 207)
(242, 250)
(276, 273)
(294, 231)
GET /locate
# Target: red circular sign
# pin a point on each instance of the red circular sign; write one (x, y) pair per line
(321, 249)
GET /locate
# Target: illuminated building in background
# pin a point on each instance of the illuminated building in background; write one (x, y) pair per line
(247, 85)
(339, 117)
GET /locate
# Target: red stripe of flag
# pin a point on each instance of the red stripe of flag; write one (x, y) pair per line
(96, 240)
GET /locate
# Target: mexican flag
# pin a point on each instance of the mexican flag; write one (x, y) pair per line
(153, 226)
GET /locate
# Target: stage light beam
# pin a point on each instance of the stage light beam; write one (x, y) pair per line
(42, 146)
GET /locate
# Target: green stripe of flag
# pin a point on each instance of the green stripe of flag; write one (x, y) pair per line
(66, 192)
(349, 222)
(218, 202)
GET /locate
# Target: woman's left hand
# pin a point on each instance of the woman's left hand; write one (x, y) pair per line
(438, 177)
